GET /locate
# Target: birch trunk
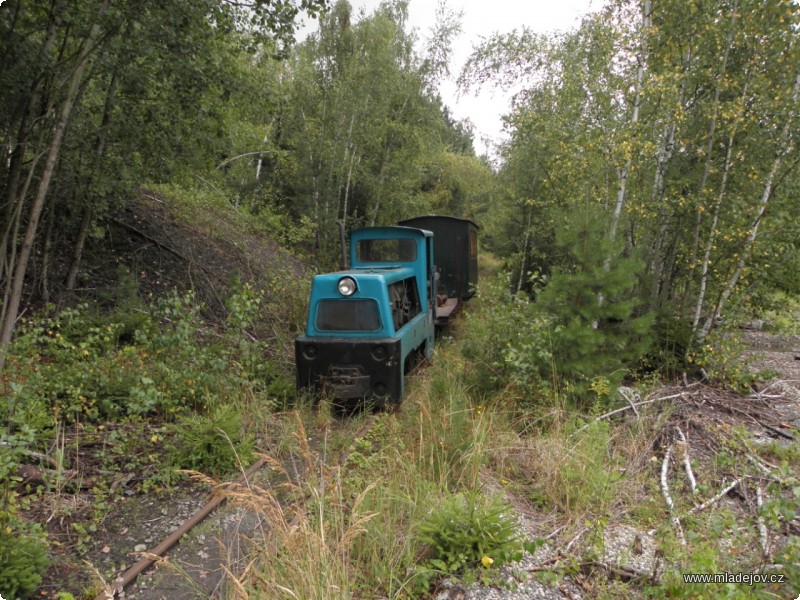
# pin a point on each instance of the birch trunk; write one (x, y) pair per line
(21, 265)
(665, 154)
(622, 173)
(785, 148)
(347, 186)
(709, 149)
(712, 236)
(379, 192)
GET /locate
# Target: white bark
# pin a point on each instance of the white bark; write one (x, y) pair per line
(668, 499)
(763, 533)
(785, 147)
(624, 172)
(712, 236)
(712, 128)
(687, 462)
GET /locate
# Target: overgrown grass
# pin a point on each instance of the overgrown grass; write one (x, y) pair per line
(368, 522)
(481, 428)
(151, 388)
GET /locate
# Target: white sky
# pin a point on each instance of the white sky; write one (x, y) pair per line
(482, 18)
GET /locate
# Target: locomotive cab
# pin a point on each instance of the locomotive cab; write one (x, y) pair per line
(369, 324)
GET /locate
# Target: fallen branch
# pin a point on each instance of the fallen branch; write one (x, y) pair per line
(763, 534)
(34, 455)
(553, 534)
(665, 491)
(629, 407)
(733, 410)
(624, 393)
(626, 574)
(623, 573)
(35, 476)
(664, 484)
(777, 431)
(687, 464)
(715, 499)
(777, 382)
(576, 538)
(760, 465)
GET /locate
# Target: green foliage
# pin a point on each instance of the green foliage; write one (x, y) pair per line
(781, 312)
(701, 190)
(592, 306)
(584, 328)
(507, 343)
(672, 342)
(82, 366)
(340, 150)
(466, 534)
(23, 561)
(789, 559)
(215, 443)
(23, 546)
(721, 357)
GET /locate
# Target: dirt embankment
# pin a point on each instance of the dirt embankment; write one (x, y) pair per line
(154, 244)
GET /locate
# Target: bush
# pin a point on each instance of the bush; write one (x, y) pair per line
(23, 549)
(591, 302)
(468, 533)
(721, 356)
(23, 561)
(214, 444)
(79, 366)
(507, 343)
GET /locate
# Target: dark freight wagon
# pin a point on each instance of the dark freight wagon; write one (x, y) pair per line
(455, 253)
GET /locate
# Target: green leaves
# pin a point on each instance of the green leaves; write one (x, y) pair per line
(672, 129)
(468, 532)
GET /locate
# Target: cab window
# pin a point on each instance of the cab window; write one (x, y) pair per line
(387, 250)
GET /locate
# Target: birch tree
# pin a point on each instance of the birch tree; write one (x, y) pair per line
(678, 118)
(58, 59)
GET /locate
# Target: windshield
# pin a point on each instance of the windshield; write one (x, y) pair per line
(383, 250)
(348, 315)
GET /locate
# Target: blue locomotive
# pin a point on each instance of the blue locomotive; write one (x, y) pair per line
(369, 325)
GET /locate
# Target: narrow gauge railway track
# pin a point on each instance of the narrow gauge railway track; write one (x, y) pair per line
(216, 499)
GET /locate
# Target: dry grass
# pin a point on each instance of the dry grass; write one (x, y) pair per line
(346, 531)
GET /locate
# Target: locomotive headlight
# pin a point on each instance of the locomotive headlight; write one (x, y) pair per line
(347, 286)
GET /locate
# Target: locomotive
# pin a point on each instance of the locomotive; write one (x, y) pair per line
(370, 324)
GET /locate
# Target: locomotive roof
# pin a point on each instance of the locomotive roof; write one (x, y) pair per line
(448, 217)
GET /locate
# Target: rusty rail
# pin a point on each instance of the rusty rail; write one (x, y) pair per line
(216, 499)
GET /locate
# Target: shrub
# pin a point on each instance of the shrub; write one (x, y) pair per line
(507, 343)
(466, 533)
(591, 302)
(78, 366)
(23, 549)
(721, 356)
(214, 444)
(23, 561)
